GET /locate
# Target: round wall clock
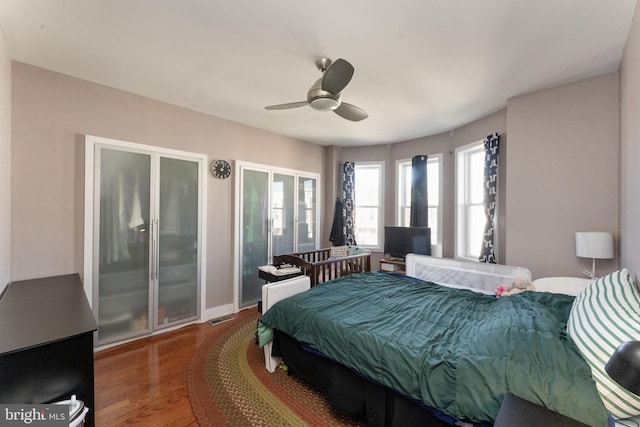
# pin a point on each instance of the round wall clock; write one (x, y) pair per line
(220, 169)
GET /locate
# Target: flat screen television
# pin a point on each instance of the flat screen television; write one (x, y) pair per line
(400, 241)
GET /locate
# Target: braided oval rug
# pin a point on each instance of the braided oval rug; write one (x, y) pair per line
(229, 386)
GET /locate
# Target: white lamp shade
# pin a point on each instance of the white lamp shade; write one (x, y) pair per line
(594, 244)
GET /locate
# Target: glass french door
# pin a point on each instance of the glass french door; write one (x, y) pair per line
(254, 232)
(278, 215)
(282, 214)
(307, 214)
(124, 253)
(176, 270)
(146, 258)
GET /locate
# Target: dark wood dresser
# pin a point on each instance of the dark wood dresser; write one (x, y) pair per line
(46, 342)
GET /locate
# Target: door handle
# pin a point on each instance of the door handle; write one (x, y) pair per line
(152, 243)
(157, 258)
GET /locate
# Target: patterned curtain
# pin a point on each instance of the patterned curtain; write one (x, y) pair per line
(419, 214)
(491, 144)
(348, 201)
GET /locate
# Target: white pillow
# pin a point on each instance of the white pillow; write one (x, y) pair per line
(357, 250)
(561, 285)
(338, 251)
(603, 316)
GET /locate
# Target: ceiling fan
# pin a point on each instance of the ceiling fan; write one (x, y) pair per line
(325, 94)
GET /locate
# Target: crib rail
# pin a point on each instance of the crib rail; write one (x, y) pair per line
(321, 268)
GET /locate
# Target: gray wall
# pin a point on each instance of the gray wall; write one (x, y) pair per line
(444, 143)
(563, 174)
(51, 114)
(42, 232)
(630, 150)
(5, 164)
(559, 173)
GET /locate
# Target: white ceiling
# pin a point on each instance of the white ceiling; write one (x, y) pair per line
(422, 67)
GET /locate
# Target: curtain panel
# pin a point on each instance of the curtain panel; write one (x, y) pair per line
(491, 150)
(337, 229)
(419, 211)
(348, 202)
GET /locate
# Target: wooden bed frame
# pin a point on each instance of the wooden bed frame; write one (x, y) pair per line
(320, 267)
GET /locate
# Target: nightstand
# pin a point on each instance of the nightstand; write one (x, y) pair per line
(393, 266)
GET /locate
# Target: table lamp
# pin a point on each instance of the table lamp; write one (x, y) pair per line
(594, 245)
(624, 366)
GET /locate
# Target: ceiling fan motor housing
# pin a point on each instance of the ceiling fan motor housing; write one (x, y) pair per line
(322, 100)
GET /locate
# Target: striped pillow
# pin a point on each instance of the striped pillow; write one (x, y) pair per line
(604, 315)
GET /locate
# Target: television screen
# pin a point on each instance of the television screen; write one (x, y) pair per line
(400, 241)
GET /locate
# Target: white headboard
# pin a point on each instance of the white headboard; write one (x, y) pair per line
(463, 274)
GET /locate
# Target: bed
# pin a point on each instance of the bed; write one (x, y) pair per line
(399, 350)
(329, 263)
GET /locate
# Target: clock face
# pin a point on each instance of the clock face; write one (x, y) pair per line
(221, 169)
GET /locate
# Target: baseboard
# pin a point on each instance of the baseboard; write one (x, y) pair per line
(216, 312)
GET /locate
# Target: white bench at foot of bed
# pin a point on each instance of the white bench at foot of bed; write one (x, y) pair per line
(271, 294)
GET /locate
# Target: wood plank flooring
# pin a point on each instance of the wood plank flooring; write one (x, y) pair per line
(144, 383)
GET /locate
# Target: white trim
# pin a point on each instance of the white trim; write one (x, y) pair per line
(215, 312)
(436, 250)
(400, 188)
(202, 234)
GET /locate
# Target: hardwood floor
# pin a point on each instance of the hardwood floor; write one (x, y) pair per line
(144, 383)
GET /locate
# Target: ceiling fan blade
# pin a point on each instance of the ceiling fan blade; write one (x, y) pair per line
(337, 76)
(350, 112)
(287, 106)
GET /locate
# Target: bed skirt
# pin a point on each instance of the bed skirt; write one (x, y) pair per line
(350, 393)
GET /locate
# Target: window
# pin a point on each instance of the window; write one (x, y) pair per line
(434, 195)
(369, 204)
(277, 194)
(470, 217)
(306, 208)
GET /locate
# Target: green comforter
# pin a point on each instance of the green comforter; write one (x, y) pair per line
(453, 349)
